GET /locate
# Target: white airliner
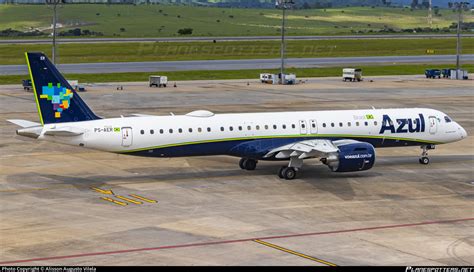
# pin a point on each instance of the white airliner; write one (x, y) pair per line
(343, 140)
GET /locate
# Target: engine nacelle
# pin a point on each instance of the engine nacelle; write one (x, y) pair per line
(357, 156)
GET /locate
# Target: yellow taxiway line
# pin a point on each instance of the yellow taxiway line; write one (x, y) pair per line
(143, 198)
(129, 199)
(115, 201)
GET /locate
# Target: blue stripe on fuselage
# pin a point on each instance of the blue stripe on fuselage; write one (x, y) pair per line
(254, 148)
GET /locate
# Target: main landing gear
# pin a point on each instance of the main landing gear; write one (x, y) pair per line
(424, 155)
(287, 173)
(248, 164)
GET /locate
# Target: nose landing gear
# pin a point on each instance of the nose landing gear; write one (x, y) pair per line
(424, 155)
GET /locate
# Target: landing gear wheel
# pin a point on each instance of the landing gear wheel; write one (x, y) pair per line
(289, 173)
(280, 172)
(242, 163)
(424, 160)
(248, 164)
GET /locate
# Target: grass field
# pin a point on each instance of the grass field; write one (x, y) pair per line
(165, 20)
(124, 52)
(240, 74)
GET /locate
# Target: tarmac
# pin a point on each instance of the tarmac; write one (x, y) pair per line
(63, 205)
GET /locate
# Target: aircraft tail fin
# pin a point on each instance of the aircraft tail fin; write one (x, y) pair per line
(56, 100)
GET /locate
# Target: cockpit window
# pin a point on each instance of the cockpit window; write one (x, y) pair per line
(447, 119)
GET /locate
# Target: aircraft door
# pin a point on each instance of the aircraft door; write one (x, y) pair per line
(127, 136)
(433, 124)
(303, 127)
(313, 126)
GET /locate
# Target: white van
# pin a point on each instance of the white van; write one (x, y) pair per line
(351, 74)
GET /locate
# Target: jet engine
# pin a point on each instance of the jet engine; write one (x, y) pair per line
(353, 156)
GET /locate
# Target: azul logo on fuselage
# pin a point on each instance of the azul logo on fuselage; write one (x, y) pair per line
(403, 125)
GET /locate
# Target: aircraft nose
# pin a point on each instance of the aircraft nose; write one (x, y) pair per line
(463, 132)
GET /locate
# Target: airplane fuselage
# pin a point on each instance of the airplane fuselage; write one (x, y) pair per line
(252, 135)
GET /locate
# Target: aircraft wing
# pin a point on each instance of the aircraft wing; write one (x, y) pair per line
(304, 149)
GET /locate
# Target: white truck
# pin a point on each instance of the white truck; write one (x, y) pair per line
(351, 74)
(268, 78)
(76, 86)
(463, 74)
(158, 81)
(276, 78)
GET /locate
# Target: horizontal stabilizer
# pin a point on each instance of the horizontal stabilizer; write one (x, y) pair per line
(23, 123)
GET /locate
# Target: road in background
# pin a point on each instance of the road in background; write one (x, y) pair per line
(240, 38)
(169, 66)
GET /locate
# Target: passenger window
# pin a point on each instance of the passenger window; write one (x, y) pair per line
(357, 123)
(332, 124)
(257, 127)
(161, 131)
(171, 130)
(366, 123)
(190, 130)
(240, 127)
(266, 126)
(222, 128)
(303, 125)
(180, 130)
(375, 123)
(340, 124)
(142, 132)
(249, 127)
(274, 126)
(348, 124)
(324, 124)
(313, 125)
(208, 129)
(152, 131)
(231, 128)
(199, 129)
(283, 126)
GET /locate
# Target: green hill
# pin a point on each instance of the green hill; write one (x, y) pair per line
(166, 20)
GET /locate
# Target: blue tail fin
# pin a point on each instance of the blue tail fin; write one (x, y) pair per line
(57, 101)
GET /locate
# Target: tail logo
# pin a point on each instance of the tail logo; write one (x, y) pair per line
(59, 96)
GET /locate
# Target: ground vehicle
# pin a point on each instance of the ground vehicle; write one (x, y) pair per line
(158, 81)
(446, 72)
(351, 74)
(277, 78)
(26, 84)
(288, 78)
(76, 86)
(267, 78)
(462, 74)
(433, 73)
